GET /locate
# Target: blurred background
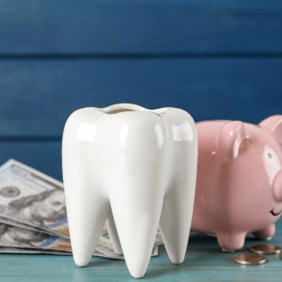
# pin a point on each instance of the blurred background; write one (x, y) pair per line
(216, 59)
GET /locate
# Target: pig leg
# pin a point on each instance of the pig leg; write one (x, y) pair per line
(231, 242)
(266, 233)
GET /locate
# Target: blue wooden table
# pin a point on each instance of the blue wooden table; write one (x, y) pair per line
(204, 262)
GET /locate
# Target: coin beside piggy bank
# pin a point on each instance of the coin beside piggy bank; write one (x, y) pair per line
(239, 182)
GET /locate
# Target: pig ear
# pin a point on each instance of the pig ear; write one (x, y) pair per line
(231, 137)
(273, 124)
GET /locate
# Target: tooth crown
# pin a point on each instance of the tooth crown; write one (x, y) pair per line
(135, 168)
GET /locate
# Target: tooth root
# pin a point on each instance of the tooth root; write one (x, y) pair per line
(136, 210)
(178, 205)
(111, 226)
(175, 224)
(87, 208)
(86, 219)
(87, 232)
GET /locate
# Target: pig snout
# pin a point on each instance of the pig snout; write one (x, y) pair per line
(278, 187)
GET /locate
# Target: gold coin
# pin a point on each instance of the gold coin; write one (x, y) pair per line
(265, 249)
(249, 259)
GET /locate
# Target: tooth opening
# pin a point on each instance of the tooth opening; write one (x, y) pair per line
(119, 108)
(123, 107)
(116, 111)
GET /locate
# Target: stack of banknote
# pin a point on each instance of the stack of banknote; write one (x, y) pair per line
(33, 214)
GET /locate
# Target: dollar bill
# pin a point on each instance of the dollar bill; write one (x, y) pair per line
(16, 237)
(112, 255)
(12, 250)
(23, 225)
(34, 202)
(30, 197)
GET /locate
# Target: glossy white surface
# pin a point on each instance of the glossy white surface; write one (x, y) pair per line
(135, 168)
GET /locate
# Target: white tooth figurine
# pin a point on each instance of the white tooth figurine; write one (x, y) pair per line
(135, 168)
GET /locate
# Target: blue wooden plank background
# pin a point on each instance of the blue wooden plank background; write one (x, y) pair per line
(216, 59)
(140, 26)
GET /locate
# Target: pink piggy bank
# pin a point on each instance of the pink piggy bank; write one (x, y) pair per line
(239, 184)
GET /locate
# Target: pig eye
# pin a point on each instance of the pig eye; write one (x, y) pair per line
(271, 161)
